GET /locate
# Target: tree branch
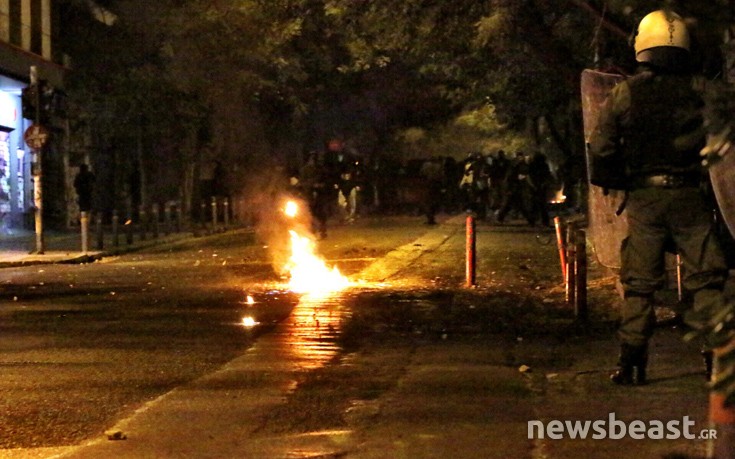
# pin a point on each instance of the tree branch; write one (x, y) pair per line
(607, 24)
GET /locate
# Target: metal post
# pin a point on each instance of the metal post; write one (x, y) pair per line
(129, 227)
(115, 228)
(214, 214)
(100, 232)
(571, 288)
(37, 170)
(84, 224)
(179, 218)
(155, 215)
(226, 212)
(203, 215)
(167, 218)
(679, 289)
(580, 274)
(471, 273)
(143, 222)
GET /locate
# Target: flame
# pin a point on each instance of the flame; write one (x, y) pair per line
(291, 209)
(559, 197)
(250, 300)
(249, 322)
(309, 273)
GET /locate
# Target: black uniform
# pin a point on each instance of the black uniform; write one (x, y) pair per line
(84, 186)
(648, 137)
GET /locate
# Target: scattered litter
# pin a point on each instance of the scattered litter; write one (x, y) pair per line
(116, 435)
(524, 369)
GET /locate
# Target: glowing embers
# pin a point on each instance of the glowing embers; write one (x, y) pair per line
(559, 197)
(309, 274)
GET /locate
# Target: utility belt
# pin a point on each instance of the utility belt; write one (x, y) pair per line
(666, 181)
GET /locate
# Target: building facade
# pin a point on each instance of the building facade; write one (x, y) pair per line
(27, 30)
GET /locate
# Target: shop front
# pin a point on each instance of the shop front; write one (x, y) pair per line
(16, 186)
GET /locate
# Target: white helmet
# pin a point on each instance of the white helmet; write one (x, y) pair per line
(661, 28)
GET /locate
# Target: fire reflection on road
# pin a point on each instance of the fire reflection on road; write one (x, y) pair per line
(313, 329)
(305, 339)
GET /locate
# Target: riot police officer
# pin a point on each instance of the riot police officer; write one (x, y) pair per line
(648, 137)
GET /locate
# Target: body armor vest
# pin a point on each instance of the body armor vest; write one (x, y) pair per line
(663, 133)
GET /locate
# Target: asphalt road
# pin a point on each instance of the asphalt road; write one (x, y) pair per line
(408, 364)
(82, 345)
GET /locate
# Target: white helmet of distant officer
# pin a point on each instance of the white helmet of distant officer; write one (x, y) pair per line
(662, 38)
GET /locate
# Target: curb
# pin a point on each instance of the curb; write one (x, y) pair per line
(76, 257)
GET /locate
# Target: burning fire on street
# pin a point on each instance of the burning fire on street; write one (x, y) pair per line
(316, 317)
(559, 197)
(308, 272)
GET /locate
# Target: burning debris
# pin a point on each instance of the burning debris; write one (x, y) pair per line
(309, 273)
(559, 197)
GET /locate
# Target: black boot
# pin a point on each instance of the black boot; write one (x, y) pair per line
(632, 365)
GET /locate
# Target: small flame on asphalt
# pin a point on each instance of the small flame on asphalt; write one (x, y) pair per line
(249, 322)
(309, 273)
(250, 300)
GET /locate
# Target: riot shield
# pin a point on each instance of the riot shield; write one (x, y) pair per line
(722, 176)
(606, 229)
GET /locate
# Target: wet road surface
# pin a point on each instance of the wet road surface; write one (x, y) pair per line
(83, 345)
(412, 367)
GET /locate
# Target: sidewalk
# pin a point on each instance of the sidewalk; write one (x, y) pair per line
(451, 399)
(19, 248)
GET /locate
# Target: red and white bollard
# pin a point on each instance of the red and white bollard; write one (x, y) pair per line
(562, 248)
